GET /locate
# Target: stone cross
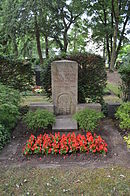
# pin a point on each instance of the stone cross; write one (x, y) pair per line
(64, 76)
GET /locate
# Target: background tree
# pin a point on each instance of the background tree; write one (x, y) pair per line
(108, 23)
(63, 15)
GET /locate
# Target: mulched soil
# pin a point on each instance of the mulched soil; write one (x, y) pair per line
(118, 154)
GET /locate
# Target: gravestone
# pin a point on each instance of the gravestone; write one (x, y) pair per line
(64, 74)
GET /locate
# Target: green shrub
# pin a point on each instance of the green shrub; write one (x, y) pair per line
(127, 140)
(9, 115)
(123, 114)
(124, 71)
(4, 136)
(88, 119)
(39, 119)
(9, 95)
(16, 73)
(91, 81)
(9, 106)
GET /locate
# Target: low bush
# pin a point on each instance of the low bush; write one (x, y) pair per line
(70, 143)
(123, 114)
(9, 95)
(124, 71)
(9, 112)
(9, 115)
(4, 136)
(88, 119)
(9, 106)
(127, 140)
(39, 119)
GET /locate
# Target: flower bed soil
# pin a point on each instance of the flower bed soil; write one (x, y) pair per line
(118, 153)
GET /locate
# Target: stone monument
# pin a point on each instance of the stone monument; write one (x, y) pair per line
(64, 75)
(64, 81)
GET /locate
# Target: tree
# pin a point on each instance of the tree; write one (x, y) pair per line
(108, 22)
(78, 36)
(63, 15)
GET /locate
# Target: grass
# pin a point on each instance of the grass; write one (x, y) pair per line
(112, 99)
(113, 88)
(65, 181)
(30, 99)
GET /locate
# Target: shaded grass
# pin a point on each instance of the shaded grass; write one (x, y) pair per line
(113, 88)
(65, 181)
(112, 99)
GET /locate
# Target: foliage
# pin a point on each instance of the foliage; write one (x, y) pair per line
(9, 95)
(39, 119)
(127, 140)
(123, 114)
(78, 36)
(4, 136)
(32, 28)
(9, 106)
(15, 73)
(124, 71)
(9, 114)
(88, 119)
(70, 143)
(91, 81)
(108, 23)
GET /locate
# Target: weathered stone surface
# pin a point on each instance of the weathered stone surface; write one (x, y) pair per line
(64, 74)
(112, 108)
(64, 123)
(94, 106)
(44, 106)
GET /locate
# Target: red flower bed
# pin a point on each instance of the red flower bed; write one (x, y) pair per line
(70, 143)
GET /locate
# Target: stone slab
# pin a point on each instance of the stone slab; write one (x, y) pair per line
(93, 106)
(64, 75)
(44, 106)
(112, 108)
(64, 123)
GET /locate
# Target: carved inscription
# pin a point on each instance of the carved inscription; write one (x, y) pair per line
(64, 86)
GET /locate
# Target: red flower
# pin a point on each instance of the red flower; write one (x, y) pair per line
(49, 143)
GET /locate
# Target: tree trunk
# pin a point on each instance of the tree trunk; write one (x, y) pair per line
(111, 30)
(65, 41)
(15, 47)
(108, 50)
(121, 37)
(115, 9)
(113, 56)
(37, 34)
(128, 91)
(46, 46)
(104, 51)
(75, 36)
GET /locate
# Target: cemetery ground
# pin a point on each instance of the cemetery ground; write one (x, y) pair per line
(75, 174)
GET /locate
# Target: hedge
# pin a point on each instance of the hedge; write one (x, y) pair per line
(91, 76)
(17, 74)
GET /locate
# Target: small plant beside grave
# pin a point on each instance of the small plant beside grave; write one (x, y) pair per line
(39, 119)
(123, 114)
(88, 119)
(65, 144)
(9, 112)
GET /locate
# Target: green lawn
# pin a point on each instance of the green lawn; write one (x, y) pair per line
(113, 88)
(65, 181)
